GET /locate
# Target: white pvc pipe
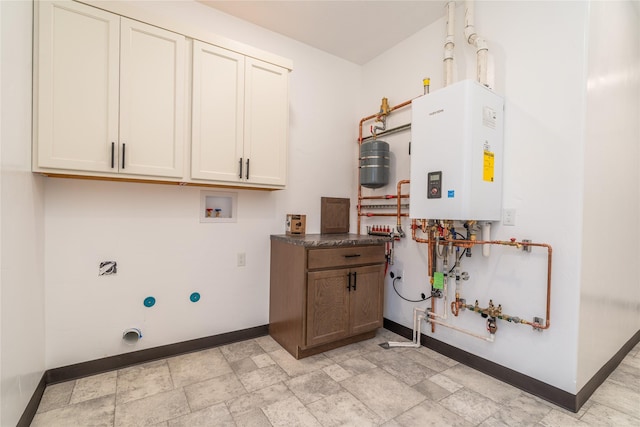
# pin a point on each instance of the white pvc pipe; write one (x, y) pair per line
(417, 322)
(477, 41)
(486, 236)
(444, 298)
(490, 338)
(449, 43)
(469, 18)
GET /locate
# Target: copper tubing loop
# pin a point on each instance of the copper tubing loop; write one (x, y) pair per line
(470, 243)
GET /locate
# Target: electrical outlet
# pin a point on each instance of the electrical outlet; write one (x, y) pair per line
(509, 217)
(242, 259)
(396, 274)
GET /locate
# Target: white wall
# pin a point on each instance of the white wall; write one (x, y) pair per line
(153, 231)
(21, 224)
(537, 56)
(538, 64)
(610, 294)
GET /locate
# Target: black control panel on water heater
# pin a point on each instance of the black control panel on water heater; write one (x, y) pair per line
(434, 185)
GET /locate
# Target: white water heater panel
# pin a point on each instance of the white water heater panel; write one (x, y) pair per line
(457, 144)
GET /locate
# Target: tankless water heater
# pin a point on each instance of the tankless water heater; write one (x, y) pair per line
(457, 153)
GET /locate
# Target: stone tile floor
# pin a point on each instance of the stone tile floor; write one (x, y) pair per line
(257, 383)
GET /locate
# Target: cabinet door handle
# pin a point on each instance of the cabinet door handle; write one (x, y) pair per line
(113, 151)
(355, 281)
(247, 168)
(349, 281)
(352, 256)
(124, 147)
(240, 175)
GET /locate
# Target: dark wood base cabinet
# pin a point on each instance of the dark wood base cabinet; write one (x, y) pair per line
(323, 297)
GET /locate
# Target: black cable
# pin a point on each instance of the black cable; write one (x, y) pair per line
(410, 300)
(459, 258)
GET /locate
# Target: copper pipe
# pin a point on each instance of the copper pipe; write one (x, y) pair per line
(385, 197)
(455, 305)
(414, 227)
(466, 243)
(381, 214)
(471, 243)
(432, 248)
(364, 119)
(399, 221)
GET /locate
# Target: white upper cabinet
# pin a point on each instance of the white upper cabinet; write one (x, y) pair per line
(266, 122)
(113, 96)
(77, 87)
(217, 113)
(152, 100)
(239, 118)
(110, 93)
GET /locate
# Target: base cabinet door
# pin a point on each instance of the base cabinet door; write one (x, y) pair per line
(343, 302)
(365, 299)
(327, 306)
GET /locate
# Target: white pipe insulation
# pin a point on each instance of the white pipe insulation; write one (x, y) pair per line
(477, 41)
(486, 236)
(449, 43)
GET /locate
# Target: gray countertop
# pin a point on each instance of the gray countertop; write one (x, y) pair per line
(330, 240)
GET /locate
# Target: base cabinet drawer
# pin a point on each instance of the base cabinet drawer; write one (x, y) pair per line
(343, 257)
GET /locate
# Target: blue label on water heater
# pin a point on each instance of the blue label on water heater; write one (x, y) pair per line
(451, 194)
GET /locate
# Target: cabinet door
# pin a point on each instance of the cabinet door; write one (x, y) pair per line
(266, 122)
(76, 91)
(327, 306)
(217, 113)
(152, 100)
(367, 298)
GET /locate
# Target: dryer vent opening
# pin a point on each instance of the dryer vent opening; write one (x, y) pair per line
(131, 335)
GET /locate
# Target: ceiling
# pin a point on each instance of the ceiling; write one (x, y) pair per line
(357, 31)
